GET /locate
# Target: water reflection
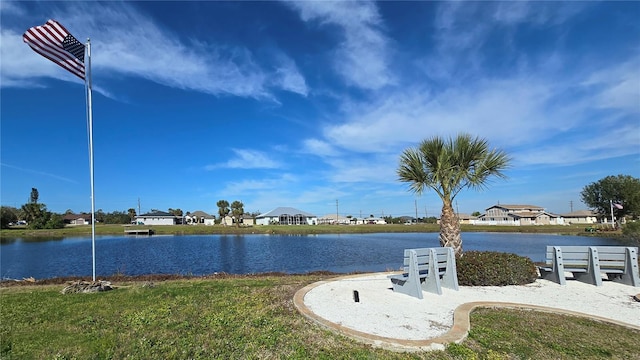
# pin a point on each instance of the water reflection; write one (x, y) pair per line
(32, 239)
(242, 254)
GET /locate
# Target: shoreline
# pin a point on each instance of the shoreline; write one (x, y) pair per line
(10, 283)
(119, 229)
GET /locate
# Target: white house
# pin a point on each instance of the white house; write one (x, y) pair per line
(156, 218)
(286, 216)
(368, 221)
(226, 221)
(331, 219)
(247, 220)
(518, 215)
(581, 217)
(199, 217)
(467, 219)
(77, 219)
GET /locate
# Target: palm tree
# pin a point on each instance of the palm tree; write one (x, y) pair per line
(237, 210)
(132, 214)
(223, 208)
(448, 166)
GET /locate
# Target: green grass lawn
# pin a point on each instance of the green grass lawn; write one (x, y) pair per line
(253, 317)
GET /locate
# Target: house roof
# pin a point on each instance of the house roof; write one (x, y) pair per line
(201, 214)
(76, 216)
(285, 211)
(333, 217)
(580, 213)
(157, 214)
(526, 214)
(405, 218)
(516, 207)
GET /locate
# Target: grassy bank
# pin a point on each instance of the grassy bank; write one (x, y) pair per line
(288, 230)
(254, 317)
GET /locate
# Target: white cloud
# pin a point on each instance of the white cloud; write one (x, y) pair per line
(318, 147)
(464, 30)
(21, 65)
(10, 7)
(375, 170)
(505, 111)
(42, 173)
(247, 159)
(252, 185)
(511, 113)
(362, 58)
(538, 13)
(148, 51)
(288, 77)
(617, 87)
(597, 143)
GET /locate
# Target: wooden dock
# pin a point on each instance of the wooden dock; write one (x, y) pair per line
(147, 232)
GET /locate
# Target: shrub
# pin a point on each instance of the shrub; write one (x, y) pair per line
(460, 351)
(488, 268)
(631, 233)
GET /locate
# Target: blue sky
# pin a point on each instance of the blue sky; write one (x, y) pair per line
(304, 103)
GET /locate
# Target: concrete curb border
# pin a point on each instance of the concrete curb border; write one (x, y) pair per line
(457, 333)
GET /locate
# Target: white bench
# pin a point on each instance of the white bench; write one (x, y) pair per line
(587, 263)
(427, 269)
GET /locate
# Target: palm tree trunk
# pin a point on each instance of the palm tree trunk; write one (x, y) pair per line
(450, 229)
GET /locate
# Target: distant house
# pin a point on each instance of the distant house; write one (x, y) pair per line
(226, 221)
(156, 218)
(77, 219)
(368, 221)
(286, 216)
(248, 220)
(333, 219)
(581, 217)
(467, 219)
(245, 220)
(199, 217)
(518, 215)
(408, 220)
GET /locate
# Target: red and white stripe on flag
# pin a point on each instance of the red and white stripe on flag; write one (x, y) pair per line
(54, 42)
(618, 206)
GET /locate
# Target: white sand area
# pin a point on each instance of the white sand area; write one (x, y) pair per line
(382, 315)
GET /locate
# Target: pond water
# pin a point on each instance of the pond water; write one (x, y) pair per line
(245, 254)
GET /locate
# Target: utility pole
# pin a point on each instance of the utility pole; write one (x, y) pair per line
(571, 205)
(416, 206)
(336, 211)
(138, 206)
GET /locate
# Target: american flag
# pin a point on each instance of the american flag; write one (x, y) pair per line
(54, 42)
(618, 206)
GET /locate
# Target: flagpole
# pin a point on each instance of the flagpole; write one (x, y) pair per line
(90, 117)
(611, 204)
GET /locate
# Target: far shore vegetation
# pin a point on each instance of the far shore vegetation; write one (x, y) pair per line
(115, 229)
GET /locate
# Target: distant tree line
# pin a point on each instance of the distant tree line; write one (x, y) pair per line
(403, 219)
(33, 212)
(36, 215)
